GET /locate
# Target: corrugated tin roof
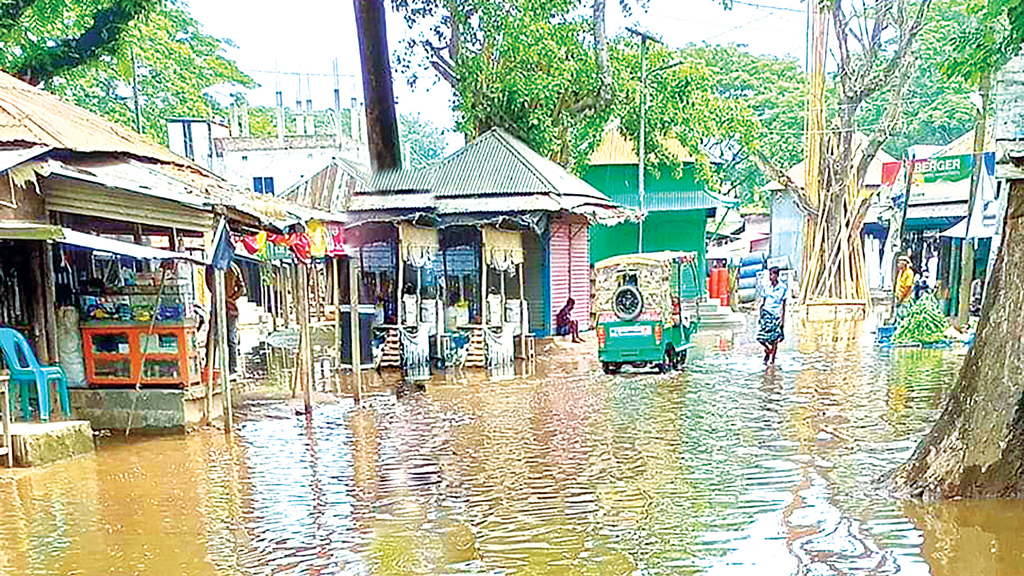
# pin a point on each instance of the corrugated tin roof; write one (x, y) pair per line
(495, 172)
(34, 116)
(661, 200)
(11, 157)
(329, 187)
(617, 149)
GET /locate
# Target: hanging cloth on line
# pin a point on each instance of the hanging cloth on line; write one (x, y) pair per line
(418, 245)
(502, 249)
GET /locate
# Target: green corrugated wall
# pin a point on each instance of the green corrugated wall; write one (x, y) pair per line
(677, 230)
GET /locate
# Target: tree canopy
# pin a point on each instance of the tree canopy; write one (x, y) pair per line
(175, 62)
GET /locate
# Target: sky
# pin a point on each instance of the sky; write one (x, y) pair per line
(306, 36)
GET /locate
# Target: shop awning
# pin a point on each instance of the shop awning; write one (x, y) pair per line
(20, 230)
(98, 243)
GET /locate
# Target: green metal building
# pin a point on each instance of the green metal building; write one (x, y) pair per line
(678, 207)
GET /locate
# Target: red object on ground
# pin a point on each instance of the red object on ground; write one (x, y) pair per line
(719, 282)
(724, 299)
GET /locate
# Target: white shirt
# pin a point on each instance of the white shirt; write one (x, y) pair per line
(773, 296)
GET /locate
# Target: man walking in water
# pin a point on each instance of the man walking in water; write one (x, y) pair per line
(773, 314)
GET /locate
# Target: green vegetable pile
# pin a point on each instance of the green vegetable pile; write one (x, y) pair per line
(924, 323)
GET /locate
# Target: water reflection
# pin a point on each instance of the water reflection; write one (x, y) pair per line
(725, 468)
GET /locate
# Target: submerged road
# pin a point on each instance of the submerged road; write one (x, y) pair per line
(725, 468)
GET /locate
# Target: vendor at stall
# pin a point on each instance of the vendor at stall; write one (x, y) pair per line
(234, 288)
(903, 288)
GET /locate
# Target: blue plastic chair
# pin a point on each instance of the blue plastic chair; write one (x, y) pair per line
(25, 371)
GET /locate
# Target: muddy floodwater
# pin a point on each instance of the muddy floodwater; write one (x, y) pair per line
(723, 469)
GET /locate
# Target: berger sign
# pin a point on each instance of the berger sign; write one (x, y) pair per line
(944, 168)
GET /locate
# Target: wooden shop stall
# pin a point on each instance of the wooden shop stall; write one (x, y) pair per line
(138, 316)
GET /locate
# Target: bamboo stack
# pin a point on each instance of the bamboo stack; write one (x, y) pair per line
(833, 257)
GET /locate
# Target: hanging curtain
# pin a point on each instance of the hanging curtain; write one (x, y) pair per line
(418, 245)
(502, 249)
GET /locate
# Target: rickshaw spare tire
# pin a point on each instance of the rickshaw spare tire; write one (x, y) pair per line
(628, 303)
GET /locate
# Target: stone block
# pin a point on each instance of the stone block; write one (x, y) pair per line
(111, 409)
(41, 443)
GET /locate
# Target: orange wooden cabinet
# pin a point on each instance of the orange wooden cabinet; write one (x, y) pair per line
(113, 354)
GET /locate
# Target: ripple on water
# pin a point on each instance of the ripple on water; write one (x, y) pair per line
(727, 468)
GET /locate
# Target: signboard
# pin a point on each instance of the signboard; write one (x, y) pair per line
(939, 179)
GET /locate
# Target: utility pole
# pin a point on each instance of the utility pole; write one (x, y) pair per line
(641, 164)
(135, 93)
(967, 253)
(378, 93)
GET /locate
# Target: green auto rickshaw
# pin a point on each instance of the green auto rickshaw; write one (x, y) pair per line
(647, 310)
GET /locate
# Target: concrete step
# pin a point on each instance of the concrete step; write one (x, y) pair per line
(41, 443)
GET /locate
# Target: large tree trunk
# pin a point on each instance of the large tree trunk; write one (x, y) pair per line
(976, 449)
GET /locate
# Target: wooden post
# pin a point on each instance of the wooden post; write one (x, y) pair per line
(297, 379)
(337, 322)
(51, 306)
(502, 288)
(978, 172)
(400, 287)
(305, 346)
(220, 305)
(483, 284)
(353, 299)
(523, 321)
(39, 305)
(378, 93)
(211, 347)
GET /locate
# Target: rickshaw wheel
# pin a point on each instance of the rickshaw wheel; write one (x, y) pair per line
(680, 362)
(610, 368)
(669, 362)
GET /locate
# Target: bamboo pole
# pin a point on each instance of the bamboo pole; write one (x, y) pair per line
(353, 298)
(523, 321)
(222, 346)
(305, 348)
(337, 324)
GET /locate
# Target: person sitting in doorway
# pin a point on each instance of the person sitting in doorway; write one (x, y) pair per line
(565, 325)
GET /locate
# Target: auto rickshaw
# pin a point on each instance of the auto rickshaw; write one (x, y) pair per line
(647, 310)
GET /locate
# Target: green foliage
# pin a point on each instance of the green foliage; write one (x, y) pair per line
(529, 66)
(924, 323)
(177, 63)
(40, 39)
(935, 108)
(686, 103)
(775, 90)
(424, 142)
(982, 35)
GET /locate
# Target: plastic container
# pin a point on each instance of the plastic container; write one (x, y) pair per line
(751, 270)
(746, 295)
(713, 284)
(723, 281)
(744, 283)
(758, 257)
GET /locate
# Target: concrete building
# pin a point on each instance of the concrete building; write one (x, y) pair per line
(266, 165)
(271, 166)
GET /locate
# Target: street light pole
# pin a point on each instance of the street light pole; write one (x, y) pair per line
(644, 37)
(643, 136)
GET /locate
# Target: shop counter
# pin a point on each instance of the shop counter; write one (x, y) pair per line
(113, 353)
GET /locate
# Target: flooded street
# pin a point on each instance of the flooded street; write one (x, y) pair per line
(723, 469)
